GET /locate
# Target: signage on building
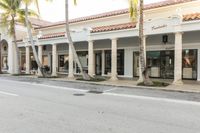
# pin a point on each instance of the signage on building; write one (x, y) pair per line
(158, 27)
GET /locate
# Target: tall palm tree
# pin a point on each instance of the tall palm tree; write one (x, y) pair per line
(35, 54)
(136, 5)
(85, 75)
(12, 13)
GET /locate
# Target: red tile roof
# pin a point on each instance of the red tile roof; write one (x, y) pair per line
(53, 35)
(119, 12)
(190, 17)
(113, 27)
(187, 17)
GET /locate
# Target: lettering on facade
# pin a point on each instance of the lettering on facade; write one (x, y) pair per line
(158, 27)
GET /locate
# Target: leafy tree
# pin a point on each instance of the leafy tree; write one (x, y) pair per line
(13, 14)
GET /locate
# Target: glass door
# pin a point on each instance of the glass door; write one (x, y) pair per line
(135, 64)
(167, 64)
(98, 63)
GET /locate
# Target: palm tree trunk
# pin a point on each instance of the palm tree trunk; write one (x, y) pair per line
(85, 75)
(142, 51)
(17, 58)
(32, 42)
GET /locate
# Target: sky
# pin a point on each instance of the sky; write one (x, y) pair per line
(55, 11)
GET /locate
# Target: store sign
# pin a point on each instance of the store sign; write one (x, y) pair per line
(158, 27)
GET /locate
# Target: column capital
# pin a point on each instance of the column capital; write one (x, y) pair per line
(179, 32)
(145, 36)
(114, 39)
(54, 44)
(90, 41)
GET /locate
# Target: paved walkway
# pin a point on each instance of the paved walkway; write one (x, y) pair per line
(188, 86)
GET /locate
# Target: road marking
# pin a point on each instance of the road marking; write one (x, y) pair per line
(60, 87)
(155, 99)
(115, 88)
(45, 85)
(108, 93)
(7, 93)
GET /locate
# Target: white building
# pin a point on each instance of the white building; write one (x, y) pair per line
(107, 44)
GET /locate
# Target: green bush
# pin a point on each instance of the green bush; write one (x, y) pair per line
(155, 84)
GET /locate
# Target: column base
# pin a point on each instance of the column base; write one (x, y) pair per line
(28, 72)
(113, 78)
(71, 77)
(91, 75)
(54, 75)
(177, 82)
(140, 80)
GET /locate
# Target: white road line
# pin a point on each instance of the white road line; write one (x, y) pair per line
(155, 99)
(60, 87)
(7, 93)
(44, 85)
(110, 90)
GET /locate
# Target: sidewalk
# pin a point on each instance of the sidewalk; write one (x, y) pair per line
(188, 86)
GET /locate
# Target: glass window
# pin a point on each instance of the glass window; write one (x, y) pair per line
(107, 61)
(63, 63)
(5, 63)
(189, 64)
(120, 62)
(153, 61)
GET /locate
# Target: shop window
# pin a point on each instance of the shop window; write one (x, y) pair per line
(189, 64)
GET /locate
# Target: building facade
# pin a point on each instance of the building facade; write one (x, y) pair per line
(107, 44)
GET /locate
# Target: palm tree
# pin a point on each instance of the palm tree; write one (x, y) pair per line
(85, 75)
(12, 13)
(134, 14)
(30, 36)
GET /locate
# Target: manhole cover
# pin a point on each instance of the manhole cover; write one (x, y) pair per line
(79, 94)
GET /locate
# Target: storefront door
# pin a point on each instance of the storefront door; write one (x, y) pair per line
(98, 63)
(167, 64)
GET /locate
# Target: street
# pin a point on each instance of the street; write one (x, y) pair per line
(44, 106)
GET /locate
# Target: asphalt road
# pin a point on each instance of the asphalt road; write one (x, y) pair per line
(57, 107)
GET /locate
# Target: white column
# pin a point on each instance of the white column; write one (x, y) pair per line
(198, 68)
(114, 60)
(27, 60)
(71, 58)
(178, 59)
(91, 59)
(54, 61)
(103, 63)
(11, 57)
(40, 58)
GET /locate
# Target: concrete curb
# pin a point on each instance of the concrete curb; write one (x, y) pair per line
(107, 84)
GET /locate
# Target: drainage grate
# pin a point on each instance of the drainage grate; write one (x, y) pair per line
(79, 94)
(95, 91)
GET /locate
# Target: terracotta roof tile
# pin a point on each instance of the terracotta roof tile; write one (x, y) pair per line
(119, 12)
(190, 17)
(113, 27)
(53, 35)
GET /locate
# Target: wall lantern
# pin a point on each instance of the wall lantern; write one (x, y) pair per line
(165, 39)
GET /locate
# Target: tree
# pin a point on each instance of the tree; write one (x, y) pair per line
(85, 75)
(30, 36)
(12, 13)
(136, 5)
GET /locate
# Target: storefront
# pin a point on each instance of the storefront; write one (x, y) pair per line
(63, 63)
(120, 62)
(161, 64)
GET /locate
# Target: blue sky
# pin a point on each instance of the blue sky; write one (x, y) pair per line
(54, 11)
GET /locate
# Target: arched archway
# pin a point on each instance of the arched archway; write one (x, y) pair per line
(3, 55)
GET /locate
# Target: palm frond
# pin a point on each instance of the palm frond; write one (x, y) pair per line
(133, 9)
